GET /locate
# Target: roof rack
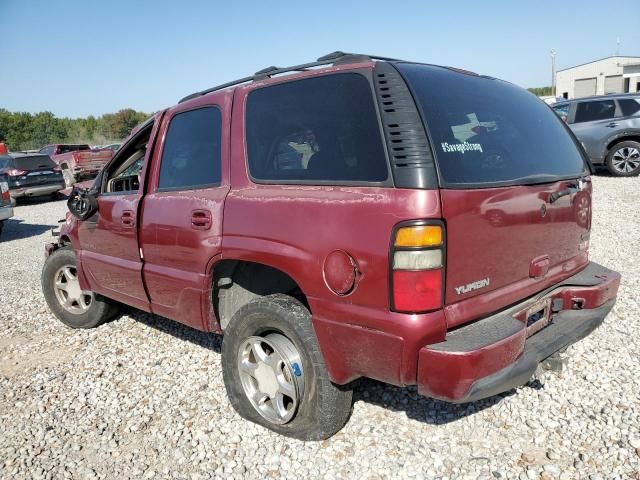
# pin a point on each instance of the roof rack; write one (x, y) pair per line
(334, 58)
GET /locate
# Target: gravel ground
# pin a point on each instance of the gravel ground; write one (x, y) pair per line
(143, 397)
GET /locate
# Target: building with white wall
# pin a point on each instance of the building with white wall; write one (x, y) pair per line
(619, 74)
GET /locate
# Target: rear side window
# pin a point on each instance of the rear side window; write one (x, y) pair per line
(596, 110)
(36, 162)
(191, 157)
(489, 132)
(629, 106)
(320, 130)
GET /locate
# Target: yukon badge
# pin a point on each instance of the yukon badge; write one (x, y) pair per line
(472, 286)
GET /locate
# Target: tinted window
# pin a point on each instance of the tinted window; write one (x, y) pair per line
(489, 131)
(322, 129)
(47, 150)
(629, 106)
(191, 154)
(34, 162)
(596, 110)
(72, 148)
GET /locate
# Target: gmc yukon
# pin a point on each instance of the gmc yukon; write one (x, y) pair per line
(351, 217)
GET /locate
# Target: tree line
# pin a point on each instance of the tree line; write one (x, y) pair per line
(541, 91)
(26, 131)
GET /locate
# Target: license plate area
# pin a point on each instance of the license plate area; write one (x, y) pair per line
(538, 316)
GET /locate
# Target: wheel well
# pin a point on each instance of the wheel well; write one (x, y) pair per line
(64, 241)
(632, 138)
(237, 282)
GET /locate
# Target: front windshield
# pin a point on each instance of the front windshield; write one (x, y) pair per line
(486, 131)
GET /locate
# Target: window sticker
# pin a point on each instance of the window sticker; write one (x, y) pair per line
(461, 147)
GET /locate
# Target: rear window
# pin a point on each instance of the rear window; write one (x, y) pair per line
(321, 130)
(36, 162)
(73, 148)
(629, 106)
(486, 131)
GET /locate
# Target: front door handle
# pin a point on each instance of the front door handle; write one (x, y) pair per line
(612, 125)
(201, 219)
(128, 219)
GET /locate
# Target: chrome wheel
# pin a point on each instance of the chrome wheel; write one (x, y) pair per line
(68, 292)
(626, 159)
(271, 374)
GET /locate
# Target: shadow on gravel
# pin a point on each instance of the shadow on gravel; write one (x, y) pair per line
(16, 229)
(390, 397)
(210, 341)
(416, 407)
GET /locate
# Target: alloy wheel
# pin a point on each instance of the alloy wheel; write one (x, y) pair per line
(626, 159)
(271, 373)
(68, 292)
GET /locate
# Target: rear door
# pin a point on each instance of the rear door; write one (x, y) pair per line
(181, 230)
(593, 122)
(501, 154)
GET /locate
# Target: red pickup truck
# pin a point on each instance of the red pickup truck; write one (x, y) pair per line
(77, 161)
(351, 217)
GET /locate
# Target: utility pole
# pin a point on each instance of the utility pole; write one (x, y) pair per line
(553, 71)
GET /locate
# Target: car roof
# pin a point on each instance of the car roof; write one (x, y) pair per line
(27, 155)
(333, 62)
(599, 97)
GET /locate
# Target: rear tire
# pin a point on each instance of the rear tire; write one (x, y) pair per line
(1, 226)
(289, 383)
(69, 179)
(73, 307)
(623, 159)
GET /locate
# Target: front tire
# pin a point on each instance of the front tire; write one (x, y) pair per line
(71, 305)
(623, 160)
(274, 372)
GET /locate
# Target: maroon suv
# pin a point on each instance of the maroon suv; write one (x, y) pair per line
(356, 217)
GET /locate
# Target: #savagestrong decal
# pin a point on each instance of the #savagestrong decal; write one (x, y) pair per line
(461, 147)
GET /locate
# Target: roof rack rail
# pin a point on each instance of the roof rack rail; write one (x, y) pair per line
(333, 58)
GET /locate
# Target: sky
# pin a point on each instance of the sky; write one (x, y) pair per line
(87, 57)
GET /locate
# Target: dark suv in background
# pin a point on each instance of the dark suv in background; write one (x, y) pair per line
(31, 175)
(608, 128)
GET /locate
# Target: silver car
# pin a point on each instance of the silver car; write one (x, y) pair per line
(608, 128)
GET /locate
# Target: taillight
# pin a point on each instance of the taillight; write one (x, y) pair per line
(4, 189)
(14, 172)
(417, 262)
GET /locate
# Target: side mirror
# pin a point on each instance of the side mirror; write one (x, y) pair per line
(83, 203)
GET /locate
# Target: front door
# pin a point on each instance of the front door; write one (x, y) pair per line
(181, 230)
(109, 250)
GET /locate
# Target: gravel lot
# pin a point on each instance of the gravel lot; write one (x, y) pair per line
(143, 397)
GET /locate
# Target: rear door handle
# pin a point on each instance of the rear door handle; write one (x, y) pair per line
(127, 219)
(201, 219)
(612, 125)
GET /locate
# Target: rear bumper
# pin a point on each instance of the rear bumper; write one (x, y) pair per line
(35, 191)
(493, 355)
(6, 212)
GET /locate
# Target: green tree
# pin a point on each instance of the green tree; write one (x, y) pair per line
(541, 91)
(22, 130)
